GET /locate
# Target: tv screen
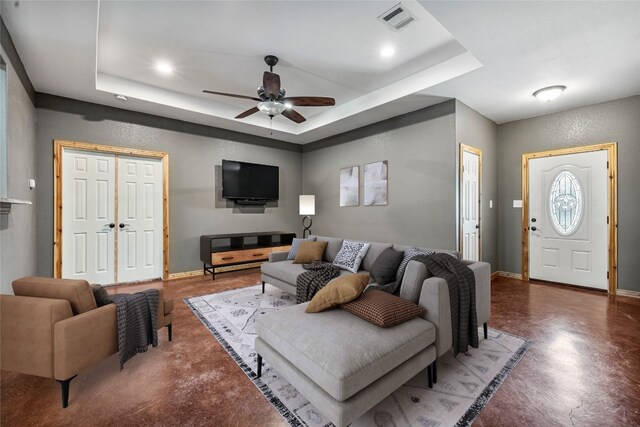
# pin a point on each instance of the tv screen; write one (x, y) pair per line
(249, 181)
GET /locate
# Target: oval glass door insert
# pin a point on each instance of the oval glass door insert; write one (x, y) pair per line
(566, 203)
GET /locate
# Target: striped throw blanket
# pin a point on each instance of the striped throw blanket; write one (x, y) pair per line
(136, 315)
(462, 296)
(318, 274)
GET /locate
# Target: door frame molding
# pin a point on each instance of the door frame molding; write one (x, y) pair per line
(612, 196)
(477, 152)
(58, 147)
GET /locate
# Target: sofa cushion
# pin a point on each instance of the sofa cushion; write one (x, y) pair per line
(385, 267)
(409, 253)
(77, 292)
(287, 271)
(353, 355)
(333, 247)
(295, 246)
(340, 290)
(372, 254)
(350, 256)
(383, 309)
(454, 254)
(310, 252)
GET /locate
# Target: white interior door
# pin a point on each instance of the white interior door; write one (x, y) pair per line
(568, 232)
(470, 206)
(140, 219)
(88, 229)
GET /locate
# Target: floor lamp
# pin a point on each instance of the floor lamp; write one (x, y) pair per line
(307, 207)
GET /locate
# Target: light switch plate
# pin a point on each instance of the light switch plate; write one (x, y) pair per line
(517, 203)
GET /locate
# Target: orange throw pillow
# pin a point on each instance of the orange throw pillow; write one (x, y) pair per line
(310, 252)
(338, 291)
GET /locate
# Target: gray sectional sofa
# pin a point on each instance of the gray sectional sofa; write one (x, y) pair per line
(345, 365)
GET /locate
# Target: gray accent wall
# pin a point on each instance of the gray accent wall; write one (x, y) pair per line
(421, 154)
(195, 155)
(18, 229)
(617, 121)
(474, 129)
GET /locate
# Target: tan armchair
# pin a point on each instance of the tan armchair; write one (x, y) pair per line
(53, 328)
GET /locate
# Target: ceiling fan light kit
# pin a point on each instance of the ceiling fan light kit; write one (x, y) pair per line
(272, 97)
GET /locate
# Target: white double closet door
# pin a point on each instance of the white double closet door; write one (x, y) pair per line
(112, 217)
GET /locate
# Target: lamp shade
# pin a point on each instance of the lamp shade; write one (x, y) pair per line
(307, 204)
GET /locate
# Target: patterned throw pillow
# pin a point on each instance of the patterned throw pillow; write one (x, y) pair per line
(408, 254)
(383, 309)
(295, 246)
(351, 255)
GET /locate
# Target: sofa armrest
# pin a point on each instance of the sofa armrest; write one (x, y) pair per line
(278, 256)
(27, 331)
(482, 273)
(414, 276)
(83, 340)
(434, 298)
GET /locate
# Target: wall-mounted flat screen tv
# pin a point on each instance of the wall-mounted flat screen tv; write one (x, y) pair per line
(249, 181)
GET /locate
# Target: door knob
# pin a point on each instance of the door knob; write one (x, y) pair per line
(477, 225)
(112, 225)
(533, 228)
(123, 225)
(533, 220)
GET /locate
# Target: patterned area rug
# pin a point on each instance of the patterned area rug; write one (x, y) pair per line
(465, 384)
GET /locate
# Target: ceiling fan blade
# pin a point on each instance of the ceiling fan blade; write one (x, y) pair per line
(271, 84)
(232, 95)
(249, 112)
(310, 101)
(293, 115)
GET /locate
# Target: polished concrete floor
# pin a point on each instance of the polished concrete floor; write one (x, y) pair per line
(582, 370)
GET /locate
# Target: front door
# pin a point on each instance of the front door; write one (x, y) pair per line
(470, 203)
(568, 231)
(140, 219)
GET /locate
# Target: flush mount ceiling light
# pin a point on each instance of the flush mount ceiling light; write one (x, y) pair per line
(549, 93)
(387, 51)
(164, 67)
(121, 97)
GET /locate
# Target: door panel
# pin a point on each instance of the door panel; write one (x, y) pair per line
(141, 219)
(568, 231)
(470, 203)
(88, 199)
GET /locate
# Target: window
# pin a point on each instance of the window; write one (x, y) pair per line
(566, 203)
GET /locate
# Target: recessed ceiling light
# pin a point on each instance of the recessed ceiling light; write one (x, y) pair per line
(549, 93)
(387, 51)
(121, 97)
(164, 67)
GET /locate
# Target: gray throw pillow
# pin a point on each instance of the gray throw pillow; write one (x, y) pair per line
(101, 295)
(295, 246)
(408, 254)
(385, 267)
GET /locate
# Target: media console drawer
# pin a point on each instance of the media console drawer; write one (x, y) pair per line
(256, 254)
(281, 248)
(227, 257)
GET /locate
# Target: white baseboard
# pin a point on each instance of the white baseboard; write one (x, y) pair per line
(626, 293)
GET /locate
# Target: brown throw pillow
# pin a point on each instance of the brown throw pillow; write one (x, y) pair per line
(310, 252)
(383, 309)
(338, 291)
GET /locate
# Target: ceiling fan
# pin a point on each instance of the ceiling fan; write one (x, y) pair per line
(271, 97)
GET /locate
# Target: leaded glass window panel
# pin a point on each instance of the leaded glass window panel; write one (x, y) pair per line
(566, 203)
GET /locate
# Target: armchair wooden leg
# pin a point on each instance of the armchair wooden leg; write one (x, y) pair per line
(170, 331)
(259, 366)
(484, 328)
(64, 388)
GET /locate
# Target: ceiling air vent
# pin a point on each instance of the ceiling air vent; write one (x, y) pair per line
(398, 17)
